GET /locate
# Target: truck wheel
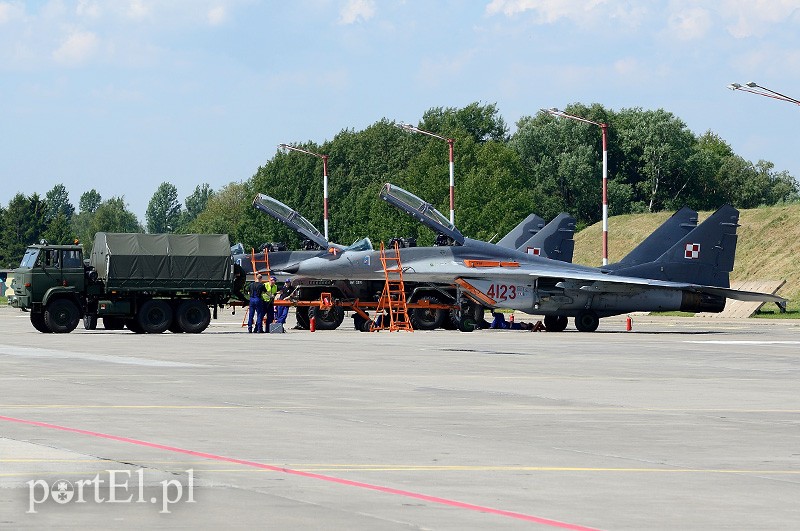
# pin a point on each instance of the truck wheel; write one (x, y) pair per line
(154, 316)
(113, 323)
(90, 321)
(37, 320)
(62, 316)
(587, 321)
(193, 316)
(555, 323)
(428, 318)
(329, 319)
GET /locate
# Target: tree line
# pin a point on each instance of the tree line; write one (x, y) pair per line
(548, 165)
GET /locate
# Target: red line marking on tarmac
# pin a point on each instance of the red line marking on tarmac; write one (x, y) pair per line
(331, 479)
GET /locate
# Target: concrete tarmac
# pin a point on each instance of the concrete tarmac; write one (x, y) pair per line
(681, 423)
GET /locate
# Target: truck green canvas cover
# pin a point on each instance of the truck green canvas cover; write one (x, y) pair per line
(162, 261)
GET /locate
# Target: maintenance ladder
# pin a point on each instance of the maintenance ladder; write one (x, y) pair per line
(393, 297)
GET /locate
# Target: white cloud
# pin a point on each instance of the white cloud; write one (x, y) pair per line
(88, 8)
(138, 9)
(77, 48)
(583, 12)
(689, 24)
(355, 10)
(9, 12)
(756, 17)
(217, 15)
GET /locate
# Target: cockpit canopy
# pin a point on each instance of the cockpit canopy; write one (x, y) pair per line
(421, 210)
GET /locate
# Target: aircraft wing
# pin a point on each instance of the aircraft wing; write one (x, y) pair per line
(582, 279)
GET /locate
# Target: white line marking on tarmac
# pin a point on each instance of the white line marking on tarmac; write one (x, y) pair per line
(744, 342)
(32, 352)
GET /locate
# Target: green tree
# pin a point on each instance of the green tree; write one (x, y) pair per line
(57, 200)
(59, 230)
(89, 201)
(224, 213)
(655, 147)
(24, 222)
(195, 204)
(111, 215)
(163, 211)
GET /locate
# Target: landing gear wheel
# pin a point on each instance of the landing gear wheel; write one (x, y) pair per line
(90, 322)
(193, 317)
(467, 318)
(113, 323)
(154, 316)
(555, 323)
(587, 321)
(329, 319)
(37, 320)
(62, 316)
(428, 318)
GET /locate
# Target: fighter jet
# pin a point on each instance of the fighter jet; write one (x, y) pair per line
(552, 239)
(691, 275)
(315, 242)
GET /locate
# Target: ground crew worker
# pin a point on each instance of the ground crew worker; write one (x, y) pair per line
(282, 311)
(257, 307)
(270, 290)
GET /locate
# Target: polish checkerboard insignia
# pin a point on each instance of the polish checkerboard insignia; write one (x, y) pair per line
(692, 251)
(535, 251)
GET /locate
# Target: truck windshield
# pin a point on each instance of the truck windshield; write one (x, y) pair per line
(29, 260)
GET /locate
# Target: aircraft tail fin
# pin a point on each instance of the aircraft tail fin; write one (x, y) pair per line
(519, 234)
(704, 256)
(554, 240)
(676, 227)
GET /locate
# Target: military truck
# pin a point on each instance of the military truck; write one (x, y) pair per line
(148, 283)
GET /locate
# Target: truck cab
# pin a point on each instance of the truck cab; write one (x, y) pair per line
(48, 282)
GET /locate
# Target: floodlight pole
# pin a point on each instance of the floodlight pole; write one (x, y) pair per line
(604, 129)
(754, 88)
(450, 141)
(324, 180)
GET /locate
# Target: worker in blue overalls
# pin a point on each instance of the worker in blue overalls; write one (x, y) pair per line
(257, 290)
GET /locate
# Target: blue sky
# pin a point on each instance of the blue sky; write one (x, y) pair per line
(121, 95)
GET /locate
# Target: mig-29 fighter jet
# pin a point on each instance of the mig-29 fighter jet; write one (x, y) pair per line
(552, 239)
(692, 275)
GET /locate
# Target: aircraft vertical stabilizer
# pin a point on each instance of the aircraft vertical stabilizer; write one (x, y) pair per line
(662, 239)
(704, 256)
(554, 241)
(522, 232)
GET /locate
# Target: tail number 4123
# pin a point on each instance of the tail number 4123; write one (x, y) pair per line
(502, 292)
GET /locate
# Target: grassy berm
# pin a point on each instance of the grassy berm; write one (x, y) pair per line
(768, 246)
